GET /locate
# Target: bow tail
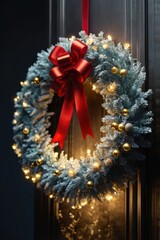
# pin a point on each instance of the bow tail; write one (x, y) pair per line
(82, 109)
(65, 119)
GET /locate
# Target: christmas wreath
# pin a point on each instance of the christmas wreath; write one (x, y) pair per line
(118, 78)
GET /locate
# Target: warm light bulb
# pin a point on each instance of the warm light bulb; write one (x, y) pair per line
(109, 198)
(33, 178)
(24, 104)
(84, 202)
(38, 175)
(51, 196)
(14, 146)
(93, 87)
(88, 152)
(27, 176)
(36, 137)
(126, 46)
(105, 46)
(111, 87)
(72, 38)
(14, 121)
(89, 41)
(16, 99)
(109, 37)
(16, 114)
(26, 170)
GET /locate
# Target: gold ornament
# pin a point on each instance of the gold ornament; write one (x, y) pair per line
(116, 153)
(25, 130)
(126, 147)
(114, 125)
(36, 80)
(121, 127)
(111, 88)
(108, 162)
(125, 112)
(71, 173)
(114, 70)
(39, 161)
(89, 184)
(96, 166)
(123, 72)
(57, 172)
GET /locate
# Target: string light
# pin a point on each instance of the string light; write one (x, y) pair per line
(16, 114)
(126, 46)
(16, 99)
(111, 87)
(93, 87)
(14, 146)
(88, 152)
(109, 37)
(14, 121)
(51, 196)
(104, 45)
(26, 170)
(25, 104)
(72, 38)
(109, 198)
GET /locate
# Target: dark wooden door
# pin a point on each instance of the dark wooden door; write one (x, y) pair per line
(135, 22)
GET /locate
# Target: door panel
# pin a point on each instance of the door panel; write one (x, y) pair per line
(126, 21)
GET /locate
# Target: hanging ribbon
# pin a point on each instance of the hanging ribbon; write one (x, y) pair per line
(68, 74)
(85, 16)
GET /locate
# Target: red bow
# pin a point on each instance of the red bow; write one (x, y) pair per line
(70, 72)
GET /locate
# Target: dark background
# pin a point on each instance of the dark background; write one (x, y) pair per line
(24, 32)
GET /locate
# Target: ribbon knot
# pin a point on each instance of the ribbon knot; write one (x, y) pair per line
(69, 72)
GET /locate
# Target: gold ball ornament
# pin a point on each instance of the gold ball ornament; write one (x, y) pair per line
(126, 147)
(125, 112)
(36, 80)
(39, 161)
(114, 70)
(108, 162)
(96, 166)
(121, 127)
(57, 172)
(123, 72)
(25, 130)
(114, 125)
(71, 173)
(89, 184)
(116, 153)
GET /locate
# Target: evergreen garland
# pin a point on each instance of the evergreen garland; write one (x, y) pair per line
(118, 78)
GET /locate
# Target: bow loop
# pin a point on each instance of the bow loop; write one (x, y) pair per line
(68, 74)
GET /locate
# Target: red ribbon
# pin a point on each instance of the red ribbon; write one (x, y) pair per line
(68, 74)
(85, 16)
